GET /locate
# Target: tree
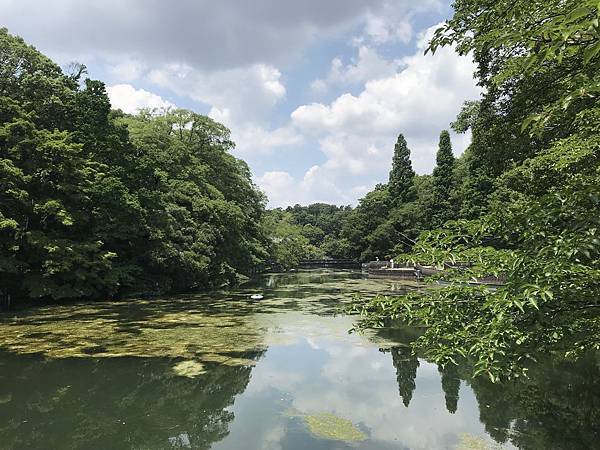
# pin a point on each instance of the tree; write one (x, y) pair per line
(372, 212)
(538, 229)
(288, 245)
(400, 183)
(96, 203)
(443, 181)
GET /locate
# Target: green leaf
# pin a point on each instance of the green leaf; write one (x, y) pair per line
(591, 52)
(577, 13)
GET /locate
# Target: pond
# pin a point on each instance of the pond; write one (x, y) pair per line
(223, 371)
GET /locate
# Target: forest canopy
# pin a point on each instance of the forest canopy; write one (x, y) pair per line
(526, 206)
(94, 202)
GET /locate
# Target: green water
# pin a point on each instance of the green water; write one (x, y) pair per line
(222, 371)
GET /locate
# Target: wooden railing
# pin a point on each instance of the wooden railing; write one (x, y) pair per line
(339, 263)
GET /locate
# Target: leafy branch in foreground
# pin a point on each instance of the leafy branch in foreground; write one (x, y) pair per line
(519, 39)
(542, 235)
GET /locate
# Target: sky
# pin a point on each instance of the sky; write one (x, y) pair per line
(315, 92)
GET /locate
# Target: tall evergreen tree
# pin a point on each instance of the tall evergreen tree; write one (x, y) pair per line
(443, 180)
(402, 175)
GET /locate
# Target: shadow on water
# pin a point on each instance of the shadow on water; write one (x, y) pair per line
(222, 371)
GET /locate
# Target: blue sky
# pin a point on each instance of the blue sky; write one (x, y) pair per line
(314, 92)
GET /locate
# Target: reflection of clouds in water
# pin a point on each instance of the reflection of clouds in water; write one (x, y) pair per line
(268, 376)
(358, 382)
(271, 439)
(314, 366)
(293, 327)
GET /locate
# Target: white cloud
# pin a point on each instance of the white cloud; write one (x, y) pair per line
(357, 133)
(127, 70)
(131, 100)
(233, 94)
(381, 30)
(368, 65)
(393, 22)
(278, 185)
(317, 185)
(253, 140)
(240, 98)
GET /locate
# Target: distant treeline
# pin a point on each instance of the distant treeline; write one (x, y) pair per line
(386, 221)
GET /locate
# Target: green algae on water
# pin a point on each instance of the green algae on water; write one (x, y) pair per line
(468, 441)
(329, 426)
(218, 327)
(189, 369)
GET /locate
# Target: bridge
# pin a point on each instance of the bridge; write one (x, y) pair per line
(329, 263)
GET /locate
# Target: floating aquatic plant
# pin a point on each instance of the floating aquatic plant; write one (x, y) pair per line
(220, 327)
(469, 441)
(330, 426)
(189, 369)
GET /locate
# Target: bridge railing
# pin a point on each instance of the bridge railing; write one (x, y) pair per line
(347, 263)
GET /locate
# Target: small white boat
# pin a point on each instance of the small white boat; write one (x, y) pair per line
(256, 296)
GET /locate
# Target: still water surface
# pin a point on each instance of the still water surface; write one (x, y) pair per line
(222, 371)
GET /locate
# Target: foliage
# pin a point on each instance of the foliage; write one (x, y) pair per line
(322, 225)
(531, 198)
(366, 229)
(289, 245)
(526, 39)
(94, 202)
(400, 183)
(544, 240)
(389, 218)
(443, 181)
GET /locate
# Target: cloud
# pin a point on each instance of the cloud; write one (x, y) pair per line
(356, 133)
(318, 185)
(244, 61)
(241, 98)
(368, 65)
(249, 91)
(131, 100)
(393, 22)
(401, 102)
(212, 35)
(254, 140)
(128, 70)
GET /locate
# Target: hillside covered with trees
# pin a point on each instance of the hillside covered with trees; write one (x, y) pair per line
(95, 202)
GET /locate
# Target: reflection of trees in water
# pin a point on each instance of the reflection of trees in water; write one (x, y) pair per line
(406, 365)
(450, 386)
(114, 403)
(557, 407)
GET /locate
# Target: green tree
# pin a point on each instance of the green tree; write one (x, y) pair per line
(370, 214)
(538, 224)
(443, 181)
(288, 243)
(94, 202)
(401, 177)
